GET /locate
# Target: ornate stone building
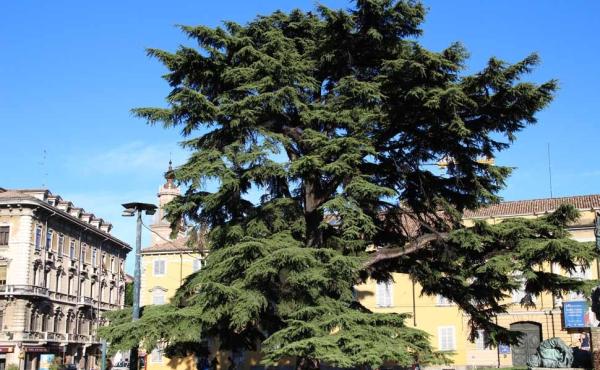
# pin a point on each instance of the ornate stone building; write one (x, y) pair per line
(60, 268)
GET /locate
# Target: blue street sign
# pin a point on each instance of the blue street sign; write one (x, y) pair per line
(574, 314)
(503, 349)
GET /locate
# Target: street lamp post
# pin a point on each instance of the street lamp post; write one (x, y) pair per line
(132, 209)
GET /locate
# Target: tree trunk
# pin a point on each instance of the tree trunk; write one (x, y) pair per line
(305, 363)
(312, 215)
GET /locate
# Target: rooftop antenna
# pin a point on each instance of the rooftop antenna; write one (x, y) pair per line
(550, 172)
(44, 169)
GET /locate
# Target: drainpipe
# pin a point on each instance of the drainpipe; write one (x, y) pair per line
(414, 304)
(552, 317)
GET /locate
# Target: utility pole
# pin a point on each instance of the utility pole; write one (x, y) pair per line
(132, 209)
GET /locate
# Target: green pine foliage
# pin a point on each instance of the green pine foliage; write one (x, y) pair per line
(334, 118)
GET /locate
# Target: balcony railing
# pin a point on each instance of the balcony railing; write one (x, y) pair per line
(23, 290)
(22, 335)
(82, 338)
(55, 337)
(63, 297)
(34, 336)
(86, 301)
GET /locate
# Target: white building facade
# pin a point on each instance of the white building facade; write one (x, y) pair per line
(60, 269)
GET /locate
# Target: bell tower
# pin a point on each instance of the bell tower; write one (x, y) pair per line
(166, 193)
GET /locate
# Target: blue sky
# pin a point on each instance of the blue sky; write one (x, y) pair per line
(70, 71)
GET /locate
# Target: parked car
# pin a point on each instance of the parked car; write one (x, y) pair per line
(121, 365)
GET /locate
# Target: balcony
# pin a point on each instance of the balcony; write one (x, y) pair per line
(22, 336)
(63, 297)
(23, 290)
(79, 338)
(55, 337)
(85, 301)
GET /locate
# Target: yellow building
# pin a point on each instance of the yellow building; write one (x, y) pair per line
(165, 264)
(448, 326)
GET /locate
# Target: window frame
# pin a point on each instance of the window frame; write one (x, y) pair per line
(388, 299)
(442, 301)
(49, 239)
(441, 336)
(197, 264)
(60, 247)
(158, 293)
(480, 341)
(4, 235)
(5, 268)
(37, 241)
(72, 249)
(164, 267)
(156, 352)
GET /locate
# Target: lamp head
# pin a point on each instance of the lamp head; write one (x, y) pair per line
(132, 208)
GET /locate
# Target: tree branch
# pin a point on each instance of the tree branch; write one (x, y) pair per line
(414, 246)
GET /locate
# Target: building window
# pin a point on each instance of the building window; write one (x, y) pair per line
(4, 231)
(446, 338)
(83, 253)
(519, 294)
(94, 256)
(72, 249)
(61, 245)
(384, 294)
(44, 322)
(198, 262)
(3, 269)
(158, 296)
(483, 341)
(58, 281)
(442, 301)
(159, 267)
(47, 280)
(68, 324)
(33, 321)
(38, 238)
(156, 355)
(56, 322)
(112, 264)
(49, 239)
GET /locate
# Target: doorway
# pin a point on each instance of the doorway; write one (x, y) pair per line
(532, 336)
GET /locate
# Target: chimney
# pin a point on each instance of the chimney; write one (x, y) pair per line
(64, 205)
(106, 227)
(75, 211)
(96, 222)
(86, 217)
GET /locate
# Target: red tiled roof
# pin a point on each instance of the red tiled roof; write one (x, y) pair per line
(535, 206)
(179, 244)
